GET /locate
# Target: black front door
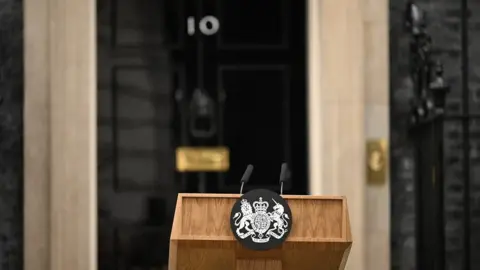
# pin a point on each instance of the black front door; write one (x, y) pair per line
(247, 59)
(253, 69)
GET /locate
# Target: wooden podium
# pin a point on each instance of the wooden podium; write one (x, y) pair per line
(201, 238)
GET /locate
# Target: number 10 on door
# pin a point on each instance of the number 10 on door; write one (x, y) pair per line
(207, 25)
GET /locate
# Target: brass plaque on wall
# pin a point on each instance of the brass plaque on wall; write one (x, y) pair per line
(377, 161)
(203, 159)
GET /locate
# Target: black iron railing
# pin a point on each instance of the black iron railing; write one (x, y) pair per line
(427, 119)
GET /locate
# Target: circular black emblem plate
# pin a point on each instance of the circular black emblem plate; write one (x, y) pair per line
(261, 220)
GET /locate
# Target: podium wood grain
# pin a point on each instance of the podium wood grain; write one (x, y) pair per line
(201, 238)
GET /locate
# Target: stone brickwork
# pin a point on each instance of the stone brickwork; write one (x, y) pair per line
(402, 163)
(474, 84)
(11, 129)
(444, 24)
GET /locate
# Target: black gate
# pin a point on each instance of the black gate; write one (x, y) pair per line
(429, 119)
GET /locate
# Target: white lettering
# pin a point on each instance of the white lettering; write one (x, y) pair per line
(208, 25)
(191, 26)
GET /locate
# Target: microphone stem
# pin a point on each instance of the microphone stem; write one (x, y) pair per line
(241, 187)
(281, 188)
(202, 182)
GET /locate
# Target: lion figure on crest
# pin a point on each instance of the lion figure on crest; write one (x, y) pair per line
(244, 220)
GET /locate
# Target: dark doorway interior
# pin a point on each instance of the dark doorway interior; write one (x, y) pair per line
(150, 63)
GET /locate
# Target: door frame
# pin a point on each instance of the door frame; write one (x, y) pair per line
(60, 135)
(60, 160)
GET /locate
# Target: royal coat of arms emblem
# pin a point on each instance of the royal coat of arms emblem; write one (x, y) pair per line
(261, 219)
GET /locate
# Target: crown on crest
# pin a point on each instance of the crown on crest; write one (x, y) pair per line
(260, 205)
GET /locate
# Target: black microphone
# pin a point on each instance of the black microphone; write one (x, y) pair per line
(284, 174)
(246, 176)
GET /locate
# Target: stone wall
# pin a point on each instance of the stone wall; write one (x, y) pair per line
(444, 24)
(11, 130)
(402, 164)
